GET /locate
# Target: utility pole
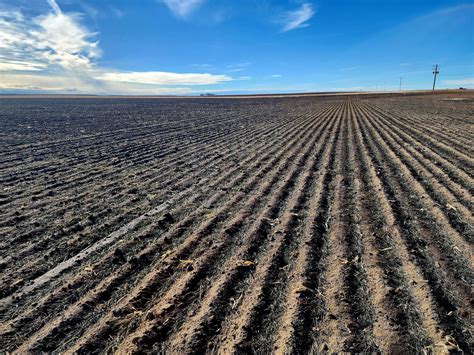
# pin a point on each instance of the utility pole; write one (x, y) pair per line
(385, 85)
(435, 72)
(401, 83)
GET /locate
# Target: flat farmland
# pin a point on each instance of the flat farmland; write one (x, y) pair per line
(245, 225)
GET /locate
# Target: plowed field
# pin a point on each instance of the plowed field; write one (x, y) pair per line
(286, 225)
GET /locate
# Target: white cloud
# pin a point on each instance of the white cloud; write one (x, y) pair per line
(54, 52)
(350, 68)
(202, 66)
(298, 18)
(465, 81)
(42, 81)
(164, 78)
(239, 65)
(54, 39)
(118, 13)
(54, 6)
(16, 65)
(90, 10)
(182, 8)
(119, 88)
(64, 83)
(233, 68)
(276, 76)
(63, 41)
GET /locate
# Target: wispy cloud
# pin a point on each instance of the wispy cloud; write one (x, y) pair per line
(54, 6)
(52, 39)
(439, 17)
(350, 68)
(15, 65)
(63, 41)
(90, 10)
(117, 12)
(465, 81)
(182, 8)
(298, 18)
(275, 76)
(164, 78)
(55, 52)
(201, 66)
(238, 66)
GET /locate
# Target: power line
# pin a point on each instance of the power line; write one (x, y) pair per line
(435, 72)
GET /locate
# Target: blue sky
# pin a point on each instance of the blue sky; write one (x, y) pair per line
(233, 46)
